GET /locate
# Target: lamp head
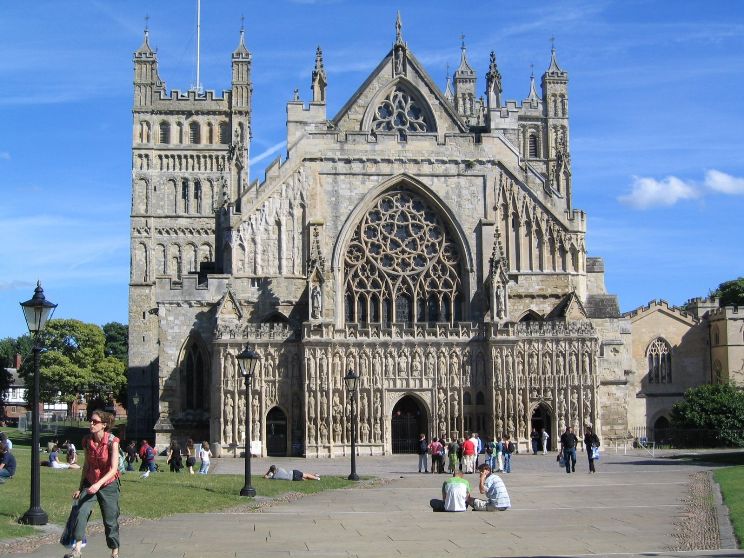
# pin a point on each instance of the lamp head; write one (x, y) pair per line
(38, 310)
(351, 380)
(247, 361)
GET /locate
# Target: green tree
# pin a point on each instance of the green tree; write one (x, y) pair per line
(117, 340)
(731, 293)
(10, 347)
(74, 363)
(718, 407)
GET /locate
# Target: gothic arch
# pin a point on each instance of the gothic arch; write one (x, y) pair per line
(405, 85)
(659, 359)
(530, 316)
(194, 378)
(417, 188)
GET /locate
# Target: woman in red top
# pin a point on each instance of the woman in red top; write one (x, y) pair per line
(100, 481)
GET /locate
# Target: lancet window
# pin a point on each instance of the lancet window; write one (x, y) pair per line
(402, 265)
(399, 112)
(659, 354)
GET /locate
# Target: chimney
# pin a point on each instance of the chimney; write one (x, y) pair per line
(17, 361)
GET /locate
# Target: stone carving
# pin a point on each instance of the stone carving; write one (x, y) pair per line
(377, 407)
(227, 430)
(365, 432)
(337, 429)
(323, 407)
(377, 432)
(311, 406)
(311, 433)
(416, 366)
(316, 302)
(363, 407)
(323, 433)
(337, 407)
(399, 112)
(311, 372)
(241, 421)
(454, 373)
(377, 370)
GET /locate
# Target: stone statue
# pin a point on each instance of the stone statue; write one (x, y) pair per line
(378, 370)
(416, 366)
(256, 429)
(323, 433)
(336, 430)
(377, 407)
(255, 407)
(363, 407)
(311, 433)
(402, 365)
(454, 376)
(509, 374)
(378, 431)
(227, 430)
(241, 422)
(587, 367)
(546, 364)
(311, 371)
(311, 407)
(455, 407)
(337, 407)
(323, 406)
(365, 432)
(559, 365)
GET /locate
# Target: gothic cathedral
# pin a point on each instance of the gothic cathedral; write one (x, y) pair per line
(423, 238)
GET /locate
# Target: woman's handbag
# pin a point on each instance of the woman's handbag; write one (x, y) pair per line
(595, 453)
(561, 460)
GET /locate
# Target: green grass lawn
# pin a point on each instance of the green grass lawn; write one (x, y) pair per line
(731, 480)
(159, 495)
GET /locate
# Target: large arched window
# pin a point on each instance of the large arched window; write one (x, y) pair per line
(533, 152)
(400, 112)
(194, 379)
(164, 133)
(659, 355)
(194, 133)
(402, 264)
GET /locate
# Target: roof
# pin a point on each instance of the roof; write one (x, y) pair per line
(602, 306)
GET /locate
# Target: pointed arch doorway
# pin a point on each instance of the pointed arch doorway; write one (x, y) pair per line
(407, 423)
(276, 433)
(541, 418)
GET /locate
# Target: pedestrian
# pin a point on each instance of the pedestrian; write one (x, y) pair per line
(568, 447)
(423, 448)
(454, 461)
(544, 436)
(190, 455)
(459, 454)
(468, 454)
(99, 481)
(478, 449)
(500, 455)
(205, 456)
(7, 462)
(435, 449)
(455, 495)
(490, 484)
(591, 445)
(147, 454)
(508, 448)
(535, 440)
(490, 453)
(277, 473)
(131, 457)
(174, 459)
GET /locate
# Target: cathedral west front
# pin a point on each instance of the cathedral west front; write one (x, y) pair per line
(424, 237)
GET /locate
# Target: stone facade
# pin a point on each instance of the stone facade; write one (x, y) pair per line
(423, 238)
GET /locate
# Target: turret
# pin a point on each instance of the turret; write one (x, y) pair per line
(240, 112)
(320, 80)
(464, 79)
(146, 80)
(555, 102)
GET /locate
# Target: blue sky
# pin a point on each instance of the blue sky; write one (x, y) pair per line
(656, 107)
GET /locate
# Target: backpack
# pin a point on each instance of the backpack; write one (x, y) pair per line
(122, 455)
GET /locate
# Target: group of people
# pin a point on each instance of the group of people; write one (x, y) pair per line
(456, 496)
(464, 454)
(176, 459)
(7, 459)
(569, 441)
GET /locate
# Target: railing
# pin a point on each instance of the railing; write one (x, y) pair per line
(673, 437)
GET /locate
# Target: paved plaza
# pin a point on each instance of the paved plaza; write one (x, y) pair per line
(628, 509)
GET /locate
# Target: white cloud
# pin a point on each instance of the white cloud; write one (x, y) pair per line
(648, 192)
(4, 156)
(268, 152)
(724, 183)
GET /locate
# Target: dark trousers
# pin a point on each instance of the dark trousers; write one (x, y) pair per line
(569, 456)
(591, 461)
(108, 500)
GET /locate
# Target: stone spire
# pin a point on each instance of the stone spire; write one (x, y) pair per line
(242, 87)
(399, 30)
(493, 84)
(320, 80)
(448, 93)
(241, 52)
(498, 281)
(147, 82)
(464, 79)
(533, 97)
(554, 70)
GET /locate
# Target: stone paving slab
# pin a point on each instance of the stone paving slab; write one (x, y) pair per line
(627, 509)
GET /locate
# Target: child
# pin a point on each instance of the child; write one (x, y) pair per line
(205, 455)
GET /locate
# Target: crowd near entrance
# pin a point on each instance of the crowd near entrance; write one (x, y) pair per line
(408, 422)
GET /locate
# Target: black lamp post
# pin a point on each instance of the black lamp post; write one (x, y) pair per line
(247, 360)
(351, 386)
(37, 312)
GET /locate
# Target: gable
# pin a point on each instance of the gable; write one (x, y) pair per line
(400, 72)
(228, 308)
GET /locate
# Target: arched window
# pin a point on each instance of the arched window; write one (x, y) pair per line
(400, 257)
(164, 133)
(197, 196)
(194, 379)
(533, 152)
(224, 133)
(659, 355)
(480, 399)
(210, 133)
(399, 112)
(467, 399)
(194, 133)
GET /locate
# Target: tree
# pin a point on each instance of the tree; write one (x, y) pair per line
(731, 293)
(117, 340)
(74, 363)
(10, 347)
(716, 407)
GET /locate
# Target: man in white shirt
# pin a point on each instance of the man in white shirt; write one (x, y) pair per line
(455, 495)
(493, 487)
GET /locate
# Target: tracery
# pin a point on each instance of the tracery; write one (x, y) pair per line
(399, 112)
(402, 265)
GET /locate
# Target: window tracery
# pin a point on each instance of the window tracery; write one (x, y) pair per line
(400, 113)
(402, 265)
(659, 354)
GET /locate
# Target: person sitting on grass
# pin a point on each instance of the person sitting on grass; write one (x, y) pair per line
(493, 487)
(277, 473)
(7, 463)
(71, 453)
(455, 495)
(55, 463)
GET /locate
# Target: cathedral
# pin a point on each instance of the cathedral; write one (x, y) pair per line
(425, 239)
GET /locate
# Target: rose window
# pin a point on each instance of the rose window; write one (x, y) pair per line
(400, 113)
(402, 265)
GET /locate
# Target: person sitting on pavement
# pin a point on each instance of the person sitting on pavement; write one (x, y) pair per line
(455, 495)
(277, 473)
(497, 498)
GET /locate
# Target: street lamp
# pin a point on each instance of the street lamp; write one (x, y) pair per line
(351, 386)
(247, 360)
(37, 312)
